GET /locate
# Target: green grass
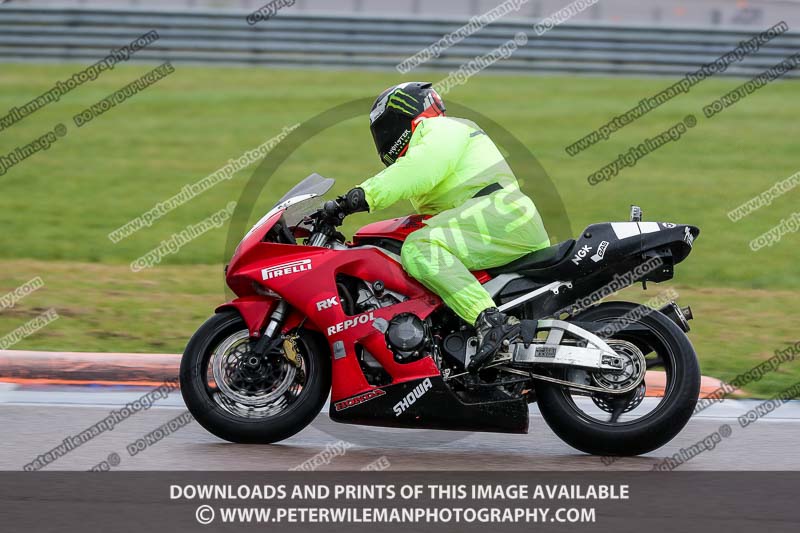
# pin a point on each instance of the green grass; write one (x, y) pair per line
(57, 208)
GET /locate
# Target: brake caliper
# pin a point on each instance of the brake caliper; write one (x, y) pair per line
(290, 351)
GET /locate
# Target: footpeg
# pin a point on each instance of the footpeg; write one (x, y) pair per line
(527, 332)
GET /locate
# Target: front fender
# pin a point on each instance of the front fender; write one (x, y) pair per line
(256, 310)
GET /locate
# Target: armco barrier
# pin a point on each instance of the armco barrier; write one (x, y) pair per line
(210, 36)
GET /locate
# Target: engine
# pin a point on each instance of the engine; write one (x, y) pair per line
(372, 296)
(407, 336)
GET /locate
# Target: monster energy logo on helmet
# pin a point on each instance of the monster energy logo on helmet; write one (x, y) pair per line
(392, 115)
(397, 147)
(395, 98)
(403, 101)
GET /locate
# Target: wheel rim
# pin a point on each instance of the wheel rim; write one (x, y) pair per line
(601, 409)
(248, 386)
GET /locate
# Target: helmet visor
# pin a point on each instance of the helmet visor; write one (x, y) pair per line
(391, 137)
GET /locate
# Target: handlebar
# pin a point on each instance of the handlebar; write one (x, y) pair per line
(333, 212)
(325, 221)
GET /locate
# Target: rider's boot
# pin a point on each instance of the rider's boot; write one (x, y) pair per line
(493, 328)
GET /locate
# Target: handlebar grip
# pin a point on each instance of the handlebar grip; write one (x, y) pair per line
(333, 212)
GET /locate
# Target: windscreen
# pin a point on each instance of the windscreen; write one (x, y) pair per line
(313, 184)
(295, 213)
(308, 195)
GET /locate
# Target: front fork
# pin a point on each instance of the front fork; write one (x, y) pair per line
(271, 337)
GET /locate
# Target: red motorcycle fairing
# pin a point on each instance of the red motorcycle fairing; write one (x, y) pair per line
(396, 228)
(305, 277)
(255, 310)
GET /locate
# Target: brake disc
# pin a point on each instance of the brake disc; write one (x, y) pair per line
(232, 354)
(632, 372)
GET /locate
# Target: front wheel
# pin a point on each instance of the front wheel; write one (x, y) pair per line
(241, 397)
(604, 424)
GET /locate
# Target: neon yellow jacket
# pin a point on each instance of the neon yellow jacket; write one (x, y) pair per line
(448, 160)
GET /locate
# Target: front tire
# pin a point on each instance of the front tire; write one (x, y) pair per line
(231, 414)
(670, 347)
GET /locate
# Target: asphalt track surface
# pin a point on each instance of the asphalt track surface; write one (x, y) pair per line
(37, 419)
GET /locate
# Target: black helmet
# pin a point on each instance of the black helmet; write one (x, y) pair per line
(394, 115)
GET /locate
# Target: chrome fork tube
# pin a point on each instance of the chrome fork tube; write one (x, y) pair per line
(276, 320)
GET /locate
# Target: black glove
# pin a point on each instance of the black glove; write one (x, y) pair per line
(332, 212)
(354, 201)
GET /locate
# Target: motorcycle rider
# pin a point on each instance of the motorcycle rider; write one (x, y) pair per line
(448, 167)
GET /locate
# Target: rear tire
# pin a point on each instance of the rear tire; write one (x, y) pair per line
(653, 430)
(199, 398)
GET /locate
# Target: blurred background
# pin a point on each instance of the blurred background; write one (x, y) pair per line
(724, 13)
(237, 85)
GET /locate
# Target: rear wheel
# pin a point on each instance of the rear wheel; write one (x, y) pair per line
(241, 397)
(630, 424)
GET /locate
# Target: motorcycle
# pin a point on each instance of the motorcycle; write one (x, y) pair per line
(316, 316)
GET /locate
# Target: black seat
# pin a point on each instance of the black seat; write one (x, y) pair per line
(546, 257)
